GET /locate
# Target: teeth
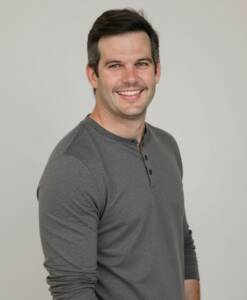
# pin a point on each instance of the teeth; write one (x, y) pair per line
(129, 93)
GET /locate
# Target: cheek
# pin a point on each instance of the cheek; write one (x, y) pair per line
(110, 81)
(149, 77)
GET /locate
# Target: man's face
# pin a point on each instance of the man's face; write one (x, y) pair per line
(126, 75)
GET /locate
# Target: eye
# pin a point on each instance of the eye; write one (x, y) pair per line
(142, 64)
(114, 66)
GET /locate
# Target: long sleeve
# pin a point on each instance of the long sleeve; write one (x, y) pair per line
(191, 270)
(69, 211)
(190, 259)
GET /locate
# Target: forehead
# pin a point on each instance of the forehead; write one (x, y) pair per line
(131, 44)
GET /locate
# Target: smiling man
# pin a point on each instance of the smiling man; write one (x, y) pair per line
(125, 80)
(111, 206)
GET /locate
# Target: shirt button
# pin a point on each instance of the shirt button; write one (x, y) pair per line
(150, 171)
(146, 157)
(133, 141)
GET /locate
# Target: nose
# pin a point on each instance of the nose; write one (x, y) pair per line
(129, 75)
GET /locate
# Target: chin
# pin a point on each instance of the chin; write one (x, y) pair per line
(134, 113)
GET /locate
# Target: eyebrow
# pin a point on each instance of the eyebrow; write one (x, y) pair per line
(149, 59)
(115, 61)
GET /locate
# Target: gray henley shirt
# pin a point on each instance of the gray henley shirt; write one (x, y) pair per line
(112, 217)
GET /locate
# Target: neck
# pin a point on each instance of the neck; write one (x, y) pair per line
(127, 128)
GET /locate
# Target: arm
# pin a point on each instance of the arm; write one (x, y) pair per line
(191, 282)
(68, 216)
(191, 273)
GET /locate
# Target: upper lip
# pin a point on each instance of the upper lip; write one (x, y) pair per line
(130, 90)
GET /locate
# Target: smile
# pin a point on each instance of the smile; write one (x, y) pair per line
(129, 92)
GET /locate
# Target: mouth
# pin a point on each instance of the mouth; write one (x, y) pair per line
(133, 94)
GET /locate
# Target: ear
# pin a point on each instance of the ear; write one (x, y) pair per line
(92, 78)
(158, 72)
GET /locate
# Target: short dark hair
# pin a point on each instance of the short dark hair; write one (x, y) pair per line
(118, 21)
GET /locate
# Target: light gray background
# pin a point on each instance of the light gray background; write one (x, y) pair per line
(201, 100)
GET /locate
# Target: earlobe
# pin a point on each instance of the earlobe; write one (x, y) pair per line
(92, 78)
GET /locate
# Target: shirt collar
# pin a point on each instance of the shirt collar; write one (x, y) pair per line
(88, 120)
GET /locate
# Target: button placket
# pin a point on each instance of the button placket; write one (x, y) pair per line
(147, 164)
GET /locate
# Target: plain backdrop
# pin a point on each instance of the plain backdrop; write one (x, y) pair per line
(200, 100)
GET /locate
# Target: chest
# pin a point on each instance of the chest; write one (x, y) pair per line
(141, 184)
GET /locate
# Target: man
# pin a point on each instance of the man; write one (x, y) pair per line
(111, 207)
